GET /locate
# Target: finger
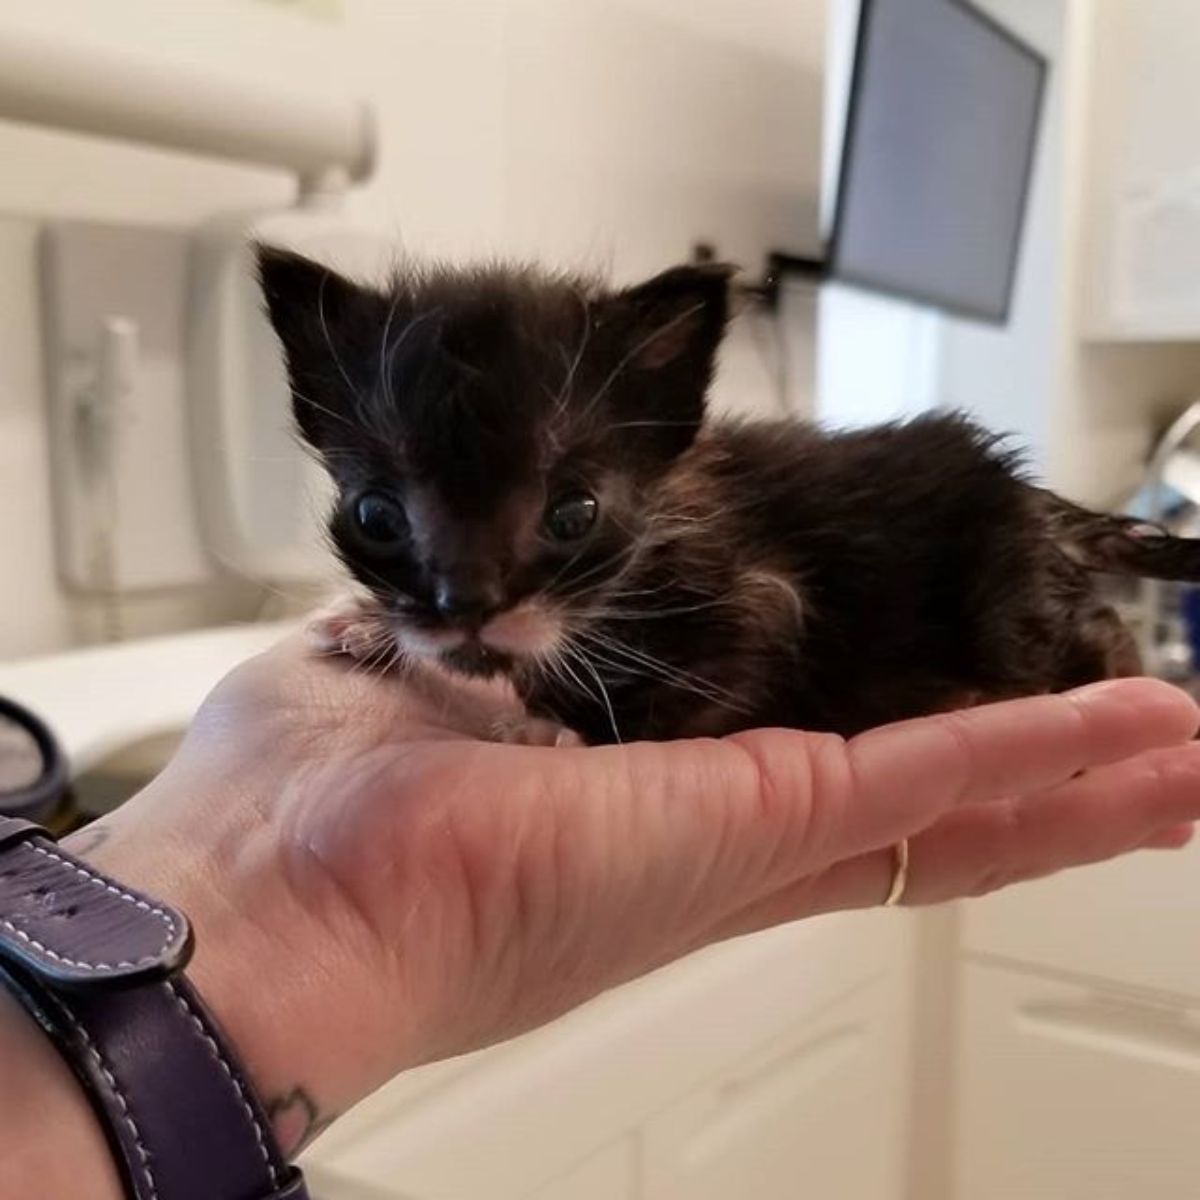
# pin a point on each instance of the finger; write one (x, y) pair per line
(1174, 837)
(906, 775)
(1147, 802)
(770, 806)
(1105, 813)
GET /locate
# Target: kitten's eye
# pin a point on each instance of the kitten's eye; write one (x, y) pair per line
(571, 516)
(380, 521)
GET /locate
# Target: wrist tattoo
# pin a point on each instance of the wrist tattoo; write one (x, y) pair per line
(297, 1120)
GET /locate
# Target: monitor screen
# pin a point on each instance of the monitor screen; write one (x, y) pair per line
(940, 135)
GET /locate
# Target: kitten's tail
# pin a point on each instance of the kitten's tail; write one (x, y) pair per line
(1120, 545)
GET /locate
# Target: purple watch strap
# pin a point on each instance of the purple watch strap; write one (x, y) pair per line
(98, 965)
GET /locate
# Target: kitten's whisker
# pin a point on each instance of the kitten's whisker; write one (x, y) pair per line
(390, 656)
(675, 518)
(398, 656)
(560, 403)
(385, 375)
(544, 668)
(566, 670)
(684, 680)
(656, 664)
(576, 652)
(597, 568)
(649, 425)
(321, 408)
(621, 672)
(623, 662)
(558, 671)
(565, 567)
(388, 587)
(391, 354)
(624, 593)
(667, 584)
(632, 614)
(712, 694)
(363, 663)
(375, 419)
(325, 331)
(658, 529)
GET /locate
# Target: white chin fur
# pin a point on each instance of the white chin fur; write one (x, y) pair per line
(527, 631)
(428, 643)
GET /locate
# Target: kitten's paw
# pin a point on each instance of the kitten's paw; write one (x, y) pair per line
(533, 731)
(344, 627)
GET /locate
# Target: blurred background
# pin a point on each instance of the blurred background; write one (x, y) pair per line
(991, 206)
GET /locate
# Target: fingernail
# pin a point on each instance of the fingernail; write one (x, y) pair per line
(1174, 837)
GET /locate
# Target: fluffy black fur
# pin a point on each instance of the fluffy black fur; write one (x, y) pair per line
(738, 574)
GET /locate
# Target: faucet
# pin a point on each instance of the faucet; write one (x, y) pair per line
(1163, 643)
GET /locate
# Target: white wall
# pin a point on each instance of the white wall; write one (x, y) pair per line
(876, 356)
(608, 133)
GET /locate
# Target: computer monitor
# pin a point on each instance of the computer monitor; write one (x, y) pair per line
(940, 134)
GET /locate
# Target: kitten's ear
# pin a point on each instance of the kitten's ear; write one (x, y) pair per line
(677, 320)
(668, 331)
(320, 318)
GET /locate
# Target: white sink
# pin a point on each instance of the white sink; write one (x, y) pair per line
(132, 699)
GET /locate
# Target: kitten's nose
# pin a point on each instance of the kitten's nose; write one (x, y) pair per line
(467, 601)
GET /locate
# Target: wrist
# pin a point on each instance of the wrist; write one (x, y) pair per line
(54, 1143)
(262, 989)
(99, 965)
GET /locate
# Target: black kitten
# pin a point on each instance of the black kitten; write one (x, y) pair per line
(529, 486)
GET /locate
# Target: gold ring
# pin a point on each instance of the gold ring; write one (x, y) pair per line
(899, 874)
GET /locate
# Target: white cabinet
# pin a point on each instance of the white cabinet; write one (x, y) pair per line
(612, 1174)
(1144, 190)
(1134, 921)
(1079, 1055)
(769, 1067)
(814, 1115)
(1072, 1093)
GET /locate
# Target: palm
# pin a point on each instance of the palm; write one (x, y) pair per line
(449, 891)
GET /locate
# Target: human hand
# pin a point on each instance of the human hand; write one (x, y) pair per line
(372, 888)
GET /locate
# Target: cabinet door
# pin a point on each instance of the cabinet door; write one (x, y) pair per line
(501, 1124)
(609, 1175)
(1135, 920)
(1141, 195)
(1067, 1093)
(324, 1184)
(819, 1114)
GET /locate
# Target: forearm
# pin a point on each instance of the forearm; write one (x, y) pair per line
(50, 1142)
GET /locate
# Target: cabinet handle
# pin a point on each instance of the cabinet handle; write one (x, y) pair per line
(1160, 1033)
(745, 1101)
